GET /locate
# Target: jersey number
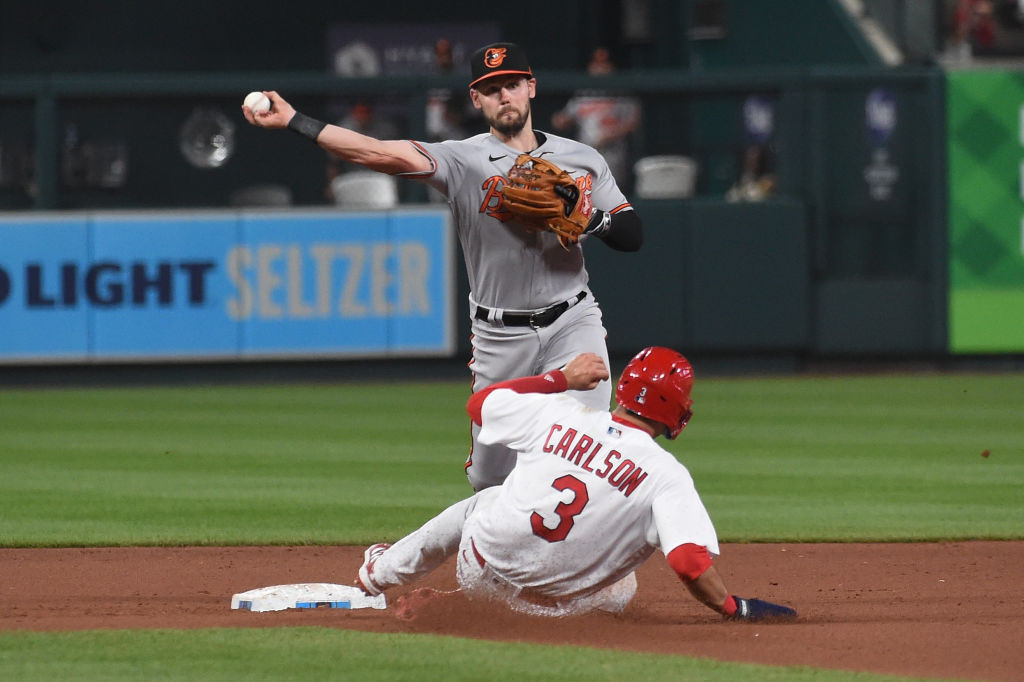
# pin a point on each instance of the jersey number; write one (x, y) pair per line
(565, 510)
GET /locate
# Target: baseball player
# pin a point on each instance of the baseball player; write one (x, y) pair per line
(530, 304)
(591, 497)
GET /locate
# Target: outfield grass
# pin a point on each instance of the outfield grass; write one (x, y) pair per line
(784, 459)
(860, 458)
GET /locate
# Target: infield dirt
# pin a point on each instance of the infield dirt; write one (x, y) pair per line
(951, 610)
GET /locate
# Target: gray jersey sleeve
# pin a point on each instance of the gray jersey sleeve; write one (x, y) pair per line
(449, 162)
(510, 266)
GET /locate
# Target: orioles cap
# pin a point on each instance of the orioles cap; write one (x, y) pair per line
(499, 59)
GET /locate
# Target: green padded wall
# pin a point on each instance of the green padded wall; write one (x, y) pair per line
(986, 210)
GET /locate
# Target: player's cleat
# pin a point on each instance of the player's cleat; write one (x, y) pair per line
(364, 579)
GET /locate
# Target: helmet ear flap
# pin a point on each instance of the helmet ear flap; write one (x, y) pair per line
(683, 421)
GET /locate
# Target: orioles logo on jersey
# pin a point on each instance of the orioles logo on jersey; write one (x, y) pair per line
(494, 57)
(492, 201)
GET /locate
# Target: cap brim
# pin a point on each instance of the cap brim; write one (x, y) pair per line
(481, 79)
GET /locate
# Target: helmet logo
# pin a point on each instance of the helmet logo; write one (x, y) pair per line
(641, 397)
(494, 57)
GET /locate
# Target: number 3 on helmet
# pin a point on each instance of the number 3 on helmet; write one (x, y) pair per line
(656, 385)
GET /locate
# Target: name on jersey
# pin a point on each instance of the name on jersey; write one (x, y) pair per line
(492, 203)
(583, 450)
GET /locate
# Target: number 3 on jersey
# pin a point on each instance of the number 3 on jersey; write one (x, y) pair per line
(566, 510)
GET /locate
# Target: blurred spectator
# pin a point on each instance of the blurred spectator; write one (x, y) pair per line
(973, 29)
(443, 55)
(603, 120)
(362, 118)
(757, 177)
(446, 110)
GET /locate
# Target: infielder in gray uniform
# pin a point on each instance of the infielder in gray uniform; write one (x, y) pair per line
(530, 304)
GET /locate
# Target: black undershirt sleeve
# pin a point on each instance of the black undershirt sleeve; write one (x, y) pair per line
(625, 232)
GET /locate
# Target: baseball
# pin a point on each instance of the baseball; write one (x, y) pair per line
(258, 102)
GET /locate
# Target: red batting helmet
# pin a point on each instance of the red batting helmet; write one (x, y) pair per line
(656, 385)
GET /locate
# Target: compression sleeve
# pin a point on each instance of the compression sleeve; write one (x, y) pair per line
(549, 382)
(624, 233)
(689, 561)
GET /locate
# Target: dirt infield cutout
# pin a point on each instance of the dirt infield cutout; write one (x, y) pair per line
(951, 609)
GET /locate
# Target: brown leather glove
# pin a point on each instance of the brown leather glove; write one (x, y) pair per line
(542, 196)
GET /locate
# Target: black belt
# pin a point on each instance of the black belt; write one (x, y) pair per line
(537, 320)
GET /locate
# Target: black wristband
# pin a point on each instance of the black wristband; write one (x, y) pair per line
(306, 126)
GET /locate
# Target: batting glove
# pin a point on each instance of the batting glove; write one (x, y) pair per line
(758, 610)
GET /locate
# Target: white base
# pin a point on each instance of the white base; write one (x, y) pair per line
(306, 596)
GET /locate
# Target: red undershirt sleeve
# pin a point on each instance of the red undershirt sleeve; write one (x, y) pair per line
(549, 382)
(689, 561)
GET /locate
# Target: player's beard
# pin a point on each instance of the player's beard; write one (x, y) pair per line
(509, 126)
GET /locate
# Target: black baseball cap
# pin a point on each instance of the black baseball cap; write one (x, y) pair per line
(499, 59)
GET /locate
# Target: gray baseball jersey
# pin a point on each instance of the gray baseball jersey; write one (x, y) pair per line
(514, 269)
(509, 266)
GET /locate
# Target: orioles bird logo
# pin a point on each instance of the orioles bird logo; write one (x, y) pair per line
(494, 57)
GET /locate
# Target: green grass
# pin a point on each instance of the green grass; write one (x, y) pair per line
(329, 654)
(227, 465)
(786, 459)
(860, 458)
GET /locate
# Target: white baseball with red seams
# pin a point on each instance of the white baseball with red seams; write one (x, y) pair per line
(258, 102)
(514, 269)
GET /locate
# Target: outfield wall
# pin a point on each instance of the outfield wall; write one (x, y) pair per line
(986, 211)
(225, 285)
(852, 255)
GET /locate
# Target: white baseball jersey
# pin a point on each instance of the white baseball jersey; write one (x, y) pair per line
(589, 499)
(509, 266)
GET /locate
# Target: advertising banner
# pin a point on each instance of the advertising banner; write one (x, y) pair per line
(986, 211)
(225, 285)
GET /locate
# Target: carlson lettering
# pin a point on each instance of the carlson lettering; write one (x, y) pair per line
(581, 449)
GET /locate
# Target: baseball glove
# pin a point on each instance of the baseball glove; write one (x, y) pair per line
(542, 196)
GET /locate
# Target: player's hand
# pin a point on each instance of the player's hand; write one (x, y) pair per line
(280, 112)
(758, 610)
(585, 371)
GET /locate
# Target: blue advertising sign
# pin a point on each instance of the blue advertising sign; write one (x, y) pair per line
(45, 287)
(163, 286)
(226, 285)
